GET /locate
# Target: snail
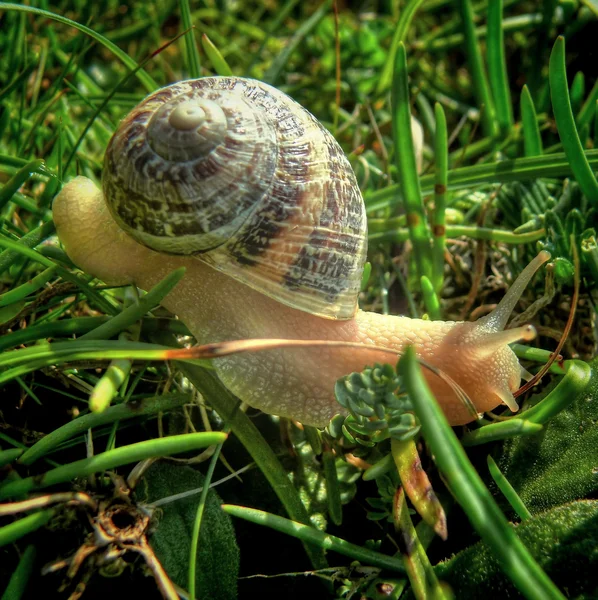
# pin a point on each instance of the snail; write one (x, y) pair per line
(238, 183)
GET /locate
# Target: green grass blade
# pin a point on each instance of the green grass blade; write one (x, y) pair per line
(315, 537)
(565, 122)
(15, 531)
(228, 407)
(467, 487)
(440, 186)
(133, 313)
(21, 292)
(532, 138)
(497, 68)
(502, 430)
(405, 158)
(111, 459)
(406, 16)
(508, 490)
(519, 169)
(192, 52)
(149, 84)
(121, 412)
(218, 61)
(20, 578)
(478, 74)
(273, 73)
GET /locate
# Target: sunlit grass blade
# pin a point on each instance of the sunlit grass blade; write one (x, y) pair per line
(315, 537)
(532, 138)
(565, 122)
(133, 313)
(111, 459)
(145, 79)
(273, 73)
(192, 52)
(405, 18)
(406, 162)
(508, 490)
(10, 188)
(469, 490)
(478, 73)
(218, 61)
(497, 67)
(519, 169)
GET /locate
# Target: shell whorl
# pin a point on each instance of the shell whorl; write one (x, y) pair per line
(239, 174)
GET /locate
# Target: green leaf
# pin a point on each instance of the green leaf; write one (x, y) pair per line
(218, 553)
(563, 542)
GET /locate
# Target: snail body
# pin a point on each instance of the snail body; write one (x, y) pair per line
(296, 277)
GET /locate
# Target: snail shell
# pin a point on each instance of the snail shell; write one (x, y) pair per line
(237, 173)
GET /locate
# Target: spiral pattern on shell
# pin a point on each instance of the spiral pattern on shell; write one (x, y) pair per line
(239, 174)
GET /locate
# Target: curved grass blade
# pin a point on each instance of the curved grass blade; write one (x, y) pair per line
(15, 531)
(478, 74)
(218, 61)
(111, 459)
(20, 578)
(565, 122)
(133, 313)
(497, 67)
(508, 490)
(138, 408)
(315, 537)
(144, 78)
(406, 162)
(532, 139)
(22, 291)
(469, 490)
(505, 171)
(502, 430)
(193, 59)
(400, 35)
(273, 73)
(228, 407)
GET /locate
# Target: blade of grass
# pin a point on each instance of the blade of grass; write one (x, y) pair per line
(406, 162)
(22, 574)
(469, 489)
(121, 412)
(144, 78)
(505, 171)
(532, 139)
(133, 313)
(192, 52)
(15, 531)
(508, 490)
(218, 61)
(406, 17)
(228, 407)
(314, 537)
(565, 122)
(497, 67)
(440, 185)
(478, 74)
(111, 459)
